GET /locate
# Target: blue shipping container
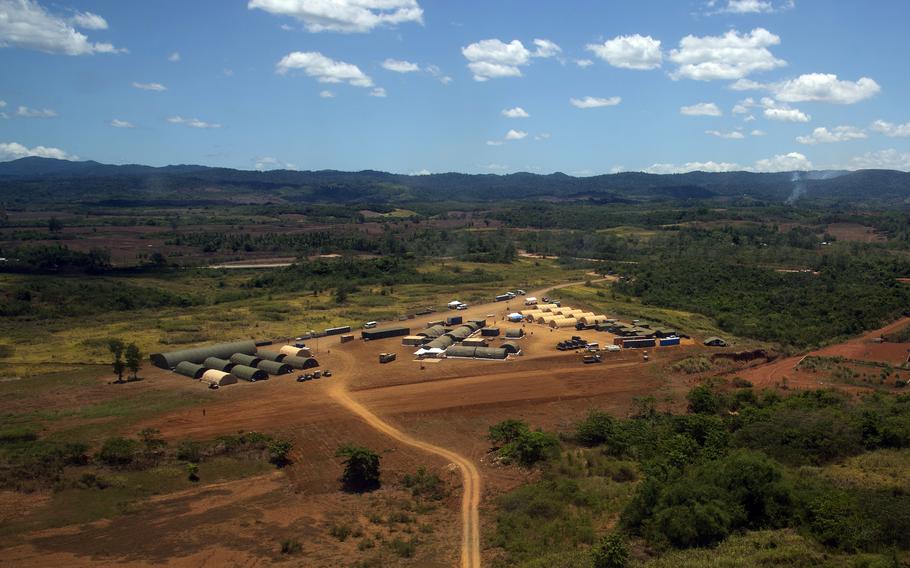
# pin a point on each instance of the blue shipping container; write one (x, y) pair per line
(452, 320)
(669, 341)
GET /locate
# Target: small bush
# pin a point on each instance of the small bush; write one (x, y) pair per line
(118, 452)
(341, 532)
(190, 451)
(404, 548)
(611, 552)
(291, 546)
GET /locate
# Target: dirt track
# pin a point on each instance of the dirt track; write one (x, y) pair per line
(470, 500)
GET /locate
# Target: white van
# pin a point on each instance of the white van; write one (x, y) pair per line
(370, 325)
(530, 301)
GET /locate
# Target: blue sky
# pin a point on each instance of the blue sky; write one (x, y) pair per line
(765, 85)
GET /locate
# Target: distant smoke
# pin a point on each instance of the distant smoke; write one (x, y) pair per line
(798, 180)
(799, 188)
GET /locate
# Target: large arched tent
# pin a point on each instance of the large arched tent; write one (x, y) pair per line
(219, 378)
(563, 322)
(274, 367)
(198, 355)
(270, 355)
(218, 364)
(490, 353)
(510, 347)
(461, 352)
(592, 320)
(460, 332)
(292, 351)
(301, 362)
(442, 342)
(249, 373)
(191, 370)
(433, 331)
(244, 359)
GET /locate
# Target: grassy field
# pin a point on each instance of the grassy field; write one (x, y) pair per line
(227, 310)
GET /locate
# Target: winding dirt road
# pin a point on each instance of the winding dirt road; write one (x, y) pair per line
(470, 499)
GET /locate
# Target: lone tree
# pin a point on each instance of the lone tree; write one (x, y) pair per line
(133, 360)
(611, 552)
(116, 348)
(361, 468)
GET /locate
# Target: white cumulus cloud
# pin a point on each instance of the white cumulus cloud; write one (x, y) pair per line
(730, 56)
(822, 135)
(709, 166)
(378, 92)
(326, 94)
(889, 159)
(793, 161)
(347, 16)
(157, 87)
(117, 123)
(14, 151)
(269, 163)
(323, 69)
(584, 63)
(825, 87)
(493, 58)
(891, 129)
(174, 57)
(515, 134)
(27, 25)
(732, 135)
(27, 112)
(595, 102)
(629, 52)
(89, 21)
(399, 66)
(192, 122)
(516, 112)
(782, 112)
(701, 109)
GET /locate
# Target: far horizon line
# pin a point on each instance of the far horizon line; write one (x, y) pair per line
(426, 173)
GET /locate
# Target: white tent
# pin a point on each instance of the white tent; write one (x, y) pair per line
(431, 352)
(515, 317)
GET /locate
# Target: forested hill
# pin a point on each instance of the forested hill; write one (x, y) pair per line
(41, 180)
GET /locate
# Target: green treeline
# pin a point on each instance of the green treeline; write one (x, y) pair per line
(847, 296)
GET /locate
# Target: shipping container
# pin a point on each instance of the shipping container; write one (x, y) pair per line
(338, 330)
(347, 337)
(503, 298)
(638, 343)
(452, 320)
(664, 341)
(489, 332)
(384, 333)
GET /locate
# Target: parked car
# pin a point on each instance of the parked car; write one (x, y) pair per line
(327, 373)
(462, 307)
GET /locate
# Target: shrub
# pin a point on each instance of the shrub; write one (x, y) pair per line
(118, 452)
(341, 532)
(361, 468)
(404, 548)
(190, 451)
(703, 400)
(598, 428)
(424, 484)
(279, 451)
(291, 546)
(611, 552)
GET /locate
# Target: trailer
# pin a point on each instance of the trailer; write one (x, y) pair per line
(503, 298)
(386, 357)
(338, 330)
(347, 337)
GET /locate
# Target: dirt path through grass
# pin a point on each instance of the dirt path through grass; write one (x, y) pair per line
(470, 499)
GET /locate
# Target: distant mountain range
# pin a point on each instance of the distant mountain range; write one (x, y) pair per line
(31, 181)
